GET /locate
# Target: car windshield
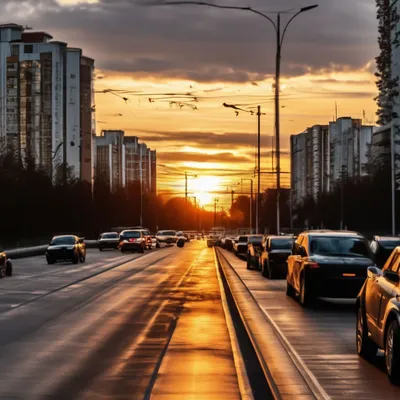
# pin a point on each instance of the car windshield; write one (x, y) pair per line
(281, 244)
(339, 246)
(110, 236)
(166, 233)
(389, 244)
(243, 239)
(131, 234)
(256, 239)
(62, 240)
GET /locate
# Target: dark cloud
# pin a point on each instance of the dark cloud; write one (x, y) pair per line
(201, 157)
(203, 139)
(205, 44)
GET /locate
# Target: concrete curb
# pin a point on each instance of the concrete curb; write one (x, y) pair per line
(243, 380)
(285, 374)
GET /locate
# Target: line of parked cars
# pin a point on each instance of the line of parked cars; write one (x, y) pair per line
(339, 264)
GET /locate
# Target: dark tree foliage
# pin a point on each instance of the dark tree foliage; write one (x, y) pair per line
(34, 208)
(387, 85)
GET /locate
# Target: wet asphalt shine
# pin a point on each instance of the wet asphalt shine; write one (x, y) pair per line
(324, 337)
(152, 326)
(117, 326)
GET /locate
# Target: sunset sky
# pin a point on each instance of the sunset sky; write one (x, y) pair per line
(207, 57)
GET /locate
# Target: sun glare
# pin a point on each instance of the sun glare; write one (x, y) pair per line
(204, 188)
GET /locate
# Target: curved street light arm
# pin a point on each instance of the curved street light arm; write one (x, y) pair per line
(286, 27)
(202, 3)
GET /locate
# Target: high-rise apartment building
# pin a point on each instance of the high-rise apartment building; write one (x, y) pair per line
(46, 102)
(121, 160)
(325, 154)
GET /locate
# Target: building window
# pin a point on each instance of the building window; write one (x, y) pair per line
(15, 50)
(28, 48)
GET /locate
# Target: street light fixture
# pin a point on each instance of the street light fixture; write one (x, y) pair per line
(186, 183)
(279, 42)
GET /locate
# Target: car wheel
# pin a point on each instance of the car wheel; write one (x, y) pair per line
(50, 260)
(289, 290)
(392, 352)
(271, 274)
(100, 249)
(83, 257)
(141, 249)
(157, 245)
(75, 259)
(305, 296)
(8, 268)
(366, 348)
(264, 269)
(248, 264)
(122, 250)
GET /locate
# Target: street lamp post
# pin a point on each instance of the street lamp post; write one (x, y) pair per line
(251, 203)
(280, 36)
(186, 183)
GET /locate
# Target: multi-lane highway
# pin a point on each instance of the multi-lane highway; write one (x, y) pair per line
(323, 337)
(116, 327)
(156, 325)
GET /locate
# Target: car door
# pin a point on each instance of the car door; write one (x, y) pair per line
(377, 295)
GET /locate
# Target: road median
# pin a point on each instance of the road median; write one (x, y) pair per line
(287, 376)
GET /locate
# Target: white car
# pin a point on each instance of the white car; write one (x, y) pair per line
(168, 237)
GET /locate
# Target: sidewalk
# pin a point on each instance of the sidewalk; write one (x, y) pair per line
(199, 361)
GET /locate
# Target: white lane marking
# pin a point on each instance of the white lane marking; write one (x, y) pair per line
(90, 266)
(298, 361)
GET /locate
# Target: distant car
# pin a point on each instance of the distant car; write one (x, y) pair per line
(274, 257)
(240, 247)
(108, 240)
(146, 235)
(213, 239)
(329, 264)
(66, 248)
(5, 265)
(167, 237)
(378, 315)
(255, 246)
(132, 240)
(382, 247)
(227, 243)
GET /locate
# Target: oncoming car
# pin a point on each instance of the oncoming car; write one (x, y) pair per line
(5, 265)
(108, 240)
(66, 248)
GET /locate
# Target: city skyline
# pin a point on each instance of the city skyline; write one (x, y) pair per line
(235, 72)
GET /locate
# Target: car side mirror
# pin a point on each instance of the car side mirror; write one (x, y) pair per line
(374, 272)
(392, 276)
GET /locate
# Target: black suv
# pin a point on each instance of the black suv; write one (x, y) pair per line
(273, 259)
(328, 264)
(378, 315)
(382, 247)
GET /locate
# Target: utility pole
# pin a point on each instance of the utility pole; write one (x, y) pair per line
(232, 194)
(186, 187)
(258, 166)
(215, 210)
(251, 201)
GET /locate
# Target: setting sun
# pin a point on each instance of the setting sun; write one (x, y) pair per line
(205, 188)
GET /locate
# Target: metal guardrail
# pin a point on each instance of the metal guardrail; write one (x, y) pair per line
(39, 250)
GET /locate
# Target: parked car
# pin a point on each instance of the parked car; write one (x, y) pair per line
(382, 247)
(240, 247)
(5, 265)
(255, 246)
(167, 237)
(227, 243)
(66, 248)
(328, 264)
(108, 240)
(132, 240)
(378, 315)
(273, 259)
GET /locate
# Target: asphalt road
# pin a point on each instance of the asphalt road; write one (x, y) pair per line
(117, 326)
(323, 337)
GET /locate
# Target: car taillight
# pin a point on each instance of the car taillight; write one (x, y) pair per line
(132, 240)
(313, 265)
